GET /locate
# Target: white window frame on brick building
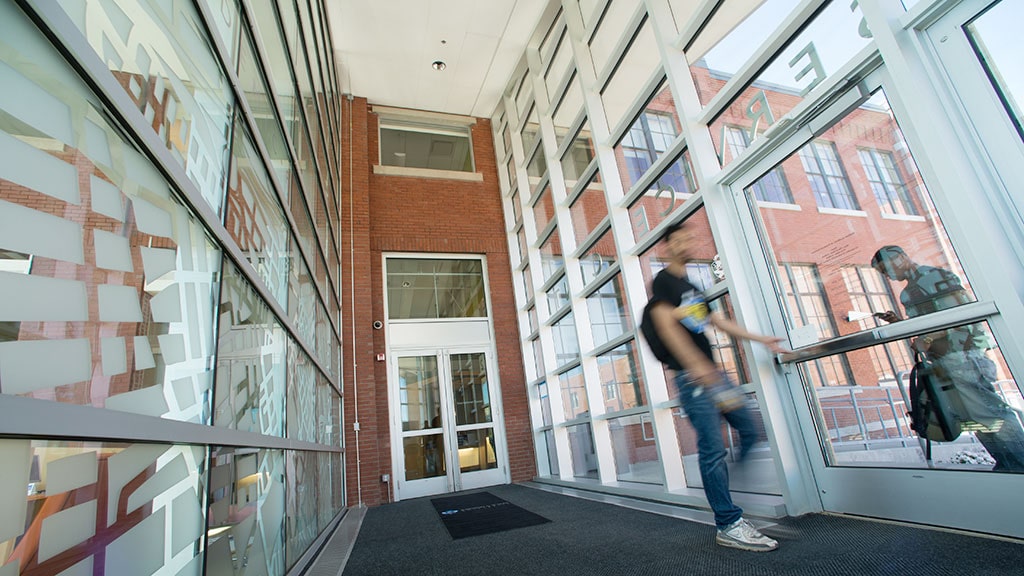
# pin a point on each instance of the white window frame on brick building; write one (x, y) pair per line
(448, 127)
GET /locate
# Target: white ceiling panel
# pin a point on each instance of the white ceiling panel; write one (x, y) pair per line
(385, 48)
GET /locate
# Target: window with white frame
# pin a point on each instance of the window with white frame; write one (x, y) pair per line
(828, 179)
(886, 182)
(413, 144)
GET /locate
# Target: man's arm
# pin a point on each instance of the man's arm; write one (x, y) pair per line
(736, 331)
(682, 347)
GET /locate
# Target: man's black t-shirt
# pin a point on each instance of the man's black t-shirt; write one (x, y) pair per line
(676, 292)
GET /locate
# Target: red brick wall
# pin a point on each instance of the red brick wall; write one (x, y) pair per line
(406, 214)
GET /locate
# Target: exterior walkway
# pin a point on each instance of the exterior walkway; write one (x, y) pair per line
(587, 537)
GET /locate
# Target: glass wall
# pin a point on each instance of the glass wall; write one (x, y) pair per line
(154, 238)
(779, 131)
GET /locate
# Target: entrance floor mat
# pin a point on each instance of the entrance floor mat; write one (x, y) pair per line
(479, 513)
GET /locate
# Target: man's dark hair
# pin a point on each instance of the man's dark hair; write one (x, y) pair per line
(884, 254)
(670, 230)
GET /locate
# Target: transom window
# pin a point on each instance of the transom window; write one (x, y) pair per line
(422, 145)
(435, 288)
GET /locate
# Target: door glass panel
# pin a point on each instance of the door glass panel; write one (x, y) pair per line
(860, 238)
(470, 390)
(424, 457)
(866, 423)
(476, 450)
(996, 38)
(419, 393)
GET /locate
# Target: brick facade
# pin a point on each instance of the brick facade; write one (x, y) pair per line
(383, 214)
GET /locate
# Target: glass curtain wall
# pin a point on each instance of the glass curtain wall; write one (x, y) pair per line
(663, 103)
(169, 265)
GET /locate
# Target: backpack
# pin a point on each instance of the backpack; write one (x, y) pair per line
(931, 417)
(653, 340)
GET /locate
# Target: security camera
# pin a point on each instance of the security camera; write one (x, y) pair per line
(377, 324)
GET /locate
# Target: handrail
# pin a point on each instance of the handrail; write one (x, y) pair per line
(958, 316)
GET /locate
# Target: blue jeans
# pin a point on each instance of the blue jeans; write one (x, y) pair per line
(707, 422)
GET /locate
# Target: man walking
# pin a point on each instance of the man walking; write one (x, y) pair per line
(674, 323)
(958, 356)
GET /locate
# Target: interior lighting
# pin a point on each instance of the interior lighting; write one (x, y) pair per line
(438, 65)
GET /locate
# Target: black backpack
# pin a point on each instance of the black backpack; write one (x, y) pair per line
(930, 414)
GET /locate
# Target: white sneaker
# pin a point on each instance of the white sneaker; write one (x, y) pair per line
(741, 534)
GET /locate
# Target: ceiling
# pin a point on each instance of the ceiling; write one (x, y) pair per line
(384, 50)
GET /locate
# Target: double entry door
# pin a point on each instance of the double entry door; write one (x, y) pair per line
(448, 439)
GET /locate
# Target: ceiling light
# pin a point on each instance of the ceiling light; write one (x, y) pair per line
(438, 65)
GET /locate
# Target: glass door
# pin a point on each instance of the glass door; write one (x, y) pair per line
(447, 422)
(869, 277)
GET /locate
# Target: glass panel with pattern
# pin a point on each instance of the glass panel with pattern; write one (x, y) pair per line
(301, 414)
(866, 425)
(257, 95)
(634, 449)
(622, 386)
(254, 217)
(894, 228)
(104, 266)
(103, 504)
(828, 41)
(246, 529)
(435, 288)
(667, 193)
(162, 57)
(301, 526)
(608, 317)
(249, 393)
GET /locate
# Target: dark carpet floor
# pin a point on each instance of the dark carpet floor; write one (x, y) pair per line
(589, 538)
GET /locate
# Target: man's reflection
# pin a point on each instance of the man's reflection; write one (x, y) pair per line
(959, 355)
